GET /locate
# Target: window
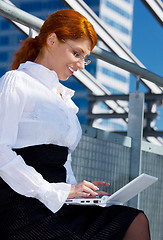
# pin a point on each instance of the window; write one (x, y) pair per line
(3, 56)
(116, 25)
(41, 5)
(118, 10)
(4, 25)
(113, 90)
(113, 74)
(34, 6)
(52, 5)
(4, 40)
(129, 1)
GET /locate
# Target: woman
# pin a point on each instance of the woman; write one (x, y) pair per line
(39, 130)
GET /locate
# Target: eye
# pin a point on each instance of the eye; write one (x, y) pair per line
(76, 54)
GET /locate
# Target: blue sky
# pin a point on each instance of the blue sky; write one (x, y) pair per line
(147, 45)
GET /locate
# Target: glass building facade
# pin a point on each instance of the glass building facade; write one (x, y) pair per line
(118, 16)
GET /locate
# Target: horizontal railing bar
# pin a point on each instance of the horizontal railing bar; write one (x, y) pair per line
(126, 65)
(118, 115)
(145, 133)
(125, 97)
(13, 13)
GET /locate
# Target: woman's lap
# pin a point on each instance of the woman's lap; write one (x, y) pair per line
(28, 218)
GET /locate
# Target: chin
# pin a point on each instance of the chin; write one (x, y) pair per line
(63, 78)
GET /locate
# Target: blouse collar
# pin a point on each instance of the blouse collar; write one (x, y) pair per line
(47, 77)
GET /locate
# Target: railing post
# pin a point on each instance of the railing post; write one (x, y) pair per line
(135, 131)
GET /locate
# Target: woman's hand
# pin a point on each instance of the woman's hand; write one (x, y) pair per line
(87, 189)
(101, 183)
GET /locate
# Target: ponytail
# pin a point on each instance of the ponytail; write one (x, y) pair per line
(27, 52)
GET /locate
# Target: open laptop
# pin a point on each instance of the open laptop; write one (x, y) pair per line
(121, 196)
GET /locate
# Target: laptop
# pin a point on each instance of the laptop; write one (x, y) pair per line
(121, 196)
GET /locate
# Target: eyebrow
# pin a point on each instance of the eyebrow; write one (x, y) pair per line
(84, 51)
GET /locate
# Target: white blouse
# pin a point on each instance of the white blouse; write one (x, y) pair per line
(32, 113)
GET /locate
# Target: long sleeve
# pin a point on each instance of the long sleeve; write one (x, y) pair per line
(20, 177)
(26, 181)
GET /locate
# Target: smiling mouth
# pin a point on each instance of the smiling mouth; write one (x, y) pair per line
(71, 69)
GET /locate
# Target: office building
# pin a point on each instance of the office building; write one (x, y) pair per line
(118, 16)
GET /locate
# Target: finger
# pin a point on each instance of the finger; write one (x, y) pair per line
(87, 195)
(89, 185)
(84, 195)
(102, 193)
(89, 191)
(101, 183)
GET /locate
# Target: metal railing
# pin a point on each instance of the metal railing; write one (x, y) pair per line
(156, 7)
(20, 16)
(106, 156)
(112, 42)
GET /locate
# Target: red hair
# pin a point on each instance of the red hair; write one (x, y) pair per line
(67, 24)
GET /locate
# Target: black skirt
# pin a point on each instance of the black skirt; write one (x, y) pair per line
(23, 218)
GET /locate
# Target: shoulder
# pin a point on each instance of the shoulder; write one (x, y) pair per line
(12, 77)
(11, 81)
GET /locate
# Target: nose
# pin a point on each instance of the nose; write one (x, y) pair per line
(80, 65)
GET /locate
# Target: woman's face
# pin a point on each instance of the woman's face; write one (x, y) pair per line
(67, 56)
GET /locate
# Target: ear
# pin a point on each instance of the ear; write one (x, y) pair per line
(51, 39)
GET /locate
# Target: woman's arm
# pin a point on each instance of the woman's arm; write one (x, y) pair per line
(20, 177)
(26, 181)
